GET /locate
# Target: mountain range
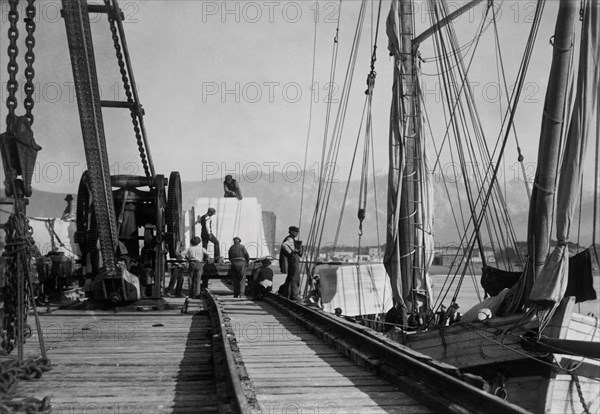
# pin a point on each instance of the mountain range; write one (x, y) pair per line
(282, 194)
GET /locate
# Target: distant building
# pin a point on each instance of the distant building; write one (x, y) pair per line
(363, 258)
(375, 254)
(342, 256)
(451, 254)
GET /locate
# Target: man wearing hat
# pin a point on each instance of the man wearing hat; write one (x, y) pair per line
(239, 258)
(291, 250)
(196, 256)
(231, 188)
(67, 214)
(207, 233)
(262, 280)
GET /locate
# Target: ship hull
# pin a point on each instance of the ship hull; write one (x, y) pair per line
(540, 383)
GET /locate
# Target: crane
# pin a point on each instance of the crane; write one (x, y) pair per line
(112, 209)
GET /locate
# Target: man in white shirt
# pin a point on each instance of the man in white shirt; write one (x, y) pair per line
(196, 255)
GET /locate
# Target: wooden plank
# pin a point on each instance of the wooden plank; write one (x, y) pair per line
(294, 371)
(159, 362)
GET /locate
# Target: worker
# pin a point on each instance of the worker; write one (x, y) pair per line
(239, 258)
(207, 234)
(289, 259)
(176, 280)
(196, 256)
(67, 214)
(231, 187)
(262, 280)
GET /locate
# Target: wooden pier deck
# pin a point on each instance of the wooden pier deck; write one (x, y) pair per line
(129, 362)
(162, 362)
(292, 370)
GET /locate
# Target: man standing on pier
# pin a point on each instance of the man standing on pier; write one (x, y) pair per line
(239, 257)
(196, 256)
(291, 250)
(207, 232)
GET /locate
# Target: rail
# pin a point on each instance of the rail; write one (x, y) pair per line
(240, 398)
(436, 385)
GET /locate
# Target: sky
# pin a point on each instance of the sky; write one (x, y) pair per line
(226, 85)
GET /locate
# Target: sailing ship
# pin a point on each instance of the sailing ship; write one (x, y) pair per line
(526, 338)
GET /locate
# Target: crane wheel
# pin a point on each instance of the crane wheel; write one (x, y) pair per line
(174, 214)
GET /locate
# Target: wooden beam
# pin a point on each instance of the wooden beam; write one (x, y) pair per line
(439, 25)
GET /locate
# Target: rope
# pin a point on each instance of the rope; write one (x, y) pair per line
(325, 184)
(310, 112)
(596, 185)
(485, 195)
(311, 253)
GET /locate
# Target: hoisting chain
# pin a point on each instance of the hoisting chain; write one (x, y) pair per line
(27, 405)
(16, 291)
(17, 256)
(12, 85)
(11, 371)
(127, 87)
(13, 51)
(29, 87)
(19, 243)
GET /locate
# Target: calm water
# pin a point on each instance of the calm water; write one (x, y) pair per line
(471, 292)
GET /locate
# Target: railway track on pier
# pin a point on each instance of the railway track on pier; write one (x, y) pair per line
(297, 359)
(226, 355)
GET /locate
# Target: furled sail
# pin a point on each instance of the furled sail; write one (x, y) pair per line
(544, 188)
(409, 243)
(551, 284)
(396, 161)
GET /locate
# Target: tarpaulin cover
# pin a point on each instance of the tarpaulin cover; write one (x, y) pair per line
(63, 233)
(234, 218)
(357, 291)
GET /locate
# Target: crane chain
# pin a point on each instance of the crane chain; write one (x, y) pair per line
(29, 59)
(19, 243)
(27, 405)
(19, 250)
(12, 85)
(127, 87)
(11, 371)
(13, 51)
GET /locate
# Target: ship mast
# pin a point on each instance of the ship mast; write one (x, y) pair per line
(409, 238)
(544, 188)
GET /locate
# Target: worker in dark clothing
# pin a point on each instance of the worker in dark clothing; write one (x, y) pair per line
(207, 232)
(262, 280)
(176, 280)
(196, 256)
(291, 250)
(68, 213)
(231, 187)
(239, 258)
